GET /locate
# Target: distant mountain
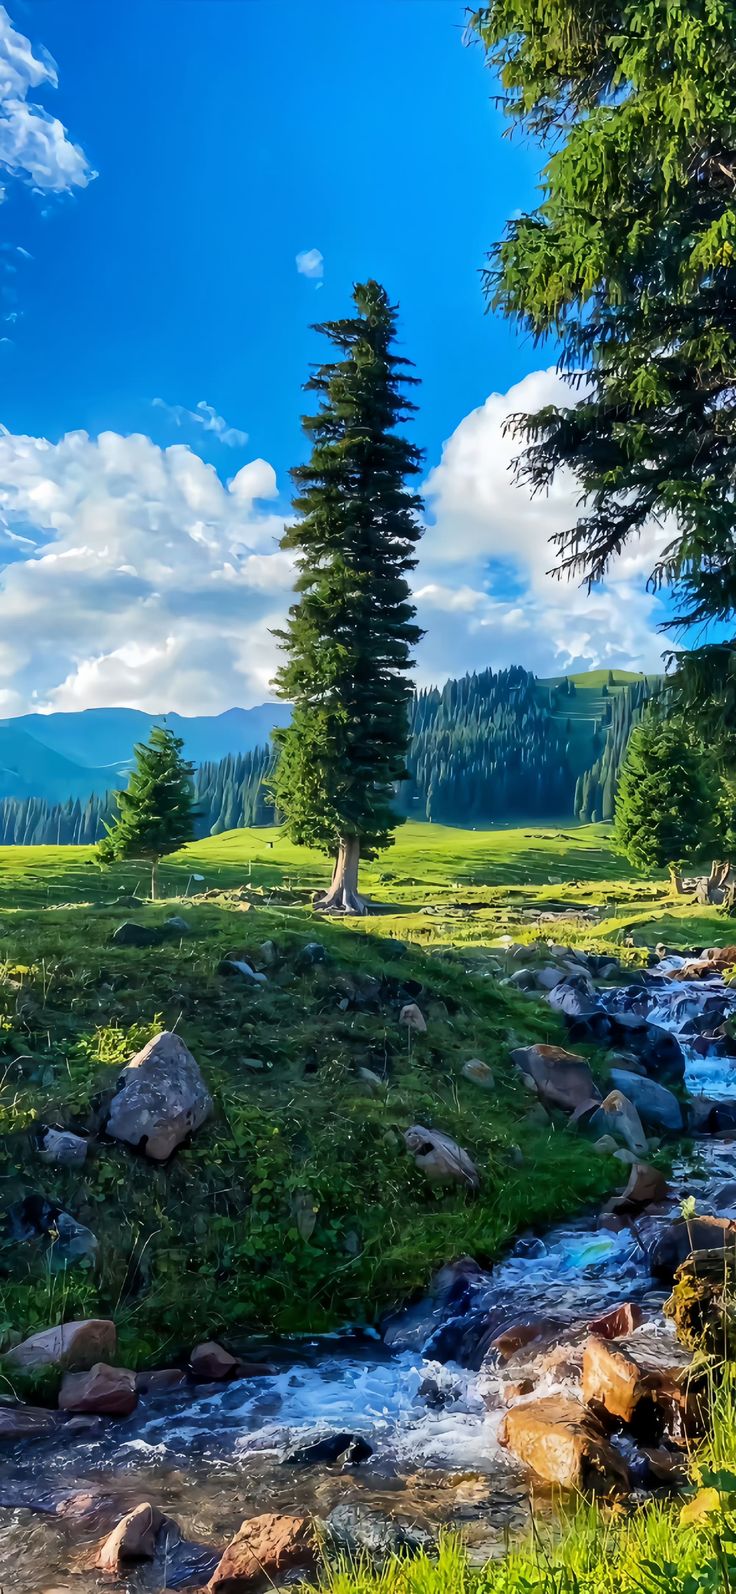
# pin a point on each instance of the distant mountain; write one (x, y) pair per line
(73, 755)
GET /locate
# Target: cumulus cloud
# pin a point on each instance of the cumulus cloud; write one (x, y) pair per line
(133, 574)
(206, 417)
(311, 263)
(34, 146)
(483, 589)
(139, 577)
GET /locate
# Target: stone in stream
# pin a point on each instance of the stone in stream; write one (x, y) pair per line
(645, 1185)
(74, 1346)
(702, 1305)
(619, 1321)
(674, 1243)
(563, 1444)
(575, 996)
(657, 1107)
(644, 1381)
(618, 1116)
(562, 1078)
(706, 1117)
(26, 1422)
(266, 1549)
(162, 1098)
(441, 1159)
(108, 1390)
(159, 1380)
(362, 1531)
(538, 1331)
(658, 1049)
(212, 1362)
(324, 1449)
(134, 1538)
(449, 1295)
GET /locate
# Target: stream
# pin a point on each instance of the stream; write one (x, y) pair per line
(428, 1400)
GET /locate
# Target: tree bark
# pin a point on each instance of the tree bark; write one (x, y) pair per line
(343, 895)
(154, 878)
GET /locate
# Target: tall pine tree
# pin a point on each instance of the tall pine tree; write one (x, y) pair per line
(156, 814)
(350, 634)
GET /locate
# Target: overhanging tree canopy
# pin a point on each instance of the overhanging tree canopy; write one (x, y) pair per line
(629, 260)
(350, 633)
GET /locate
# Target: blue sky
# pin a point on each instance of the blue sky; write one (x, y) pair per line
(162, 325)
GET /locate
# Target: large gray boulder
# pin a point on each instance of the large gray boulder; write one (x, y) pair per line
(162, 1098)
(657, 1107)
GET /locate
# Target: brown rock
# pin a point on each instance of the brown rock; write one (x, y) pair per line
(536, 1331)
(440, 1158)
(562, 1078)
(516, 1389)
(212, 1361)
(162, 1098)
(643, 1380)
(620, 1320)
(73, 1346)
(479, 1073)
(110, 1390)
(157, 1380)
(26, 1422)
(134, 1538)
(644, 1186)
(562, 1443)
(265, 1549)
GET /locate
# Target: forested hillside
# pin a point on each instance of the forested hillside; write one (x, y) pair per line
(493, 748)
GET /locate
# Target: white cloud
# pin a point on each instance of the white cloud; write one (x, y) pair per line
(34, 146)
(205, 416)
(134, 575)
(483, 587)
(139, 576)
(311, 263)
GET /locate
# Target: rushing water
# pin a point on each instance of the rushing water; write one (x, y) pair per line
(431, 1412)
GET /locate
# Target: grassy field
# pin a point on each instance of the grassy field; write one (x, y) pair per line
(436, 885)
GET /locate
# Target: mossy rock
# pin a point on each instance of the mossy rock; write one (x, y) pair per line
(702, 1305)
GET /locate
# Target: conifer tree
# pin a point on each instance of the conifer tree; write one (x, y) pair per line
(629, 260)
(156, 814)
(665, 810)
(351, 631)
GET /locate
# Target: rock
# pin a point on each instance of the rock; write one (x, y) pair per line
(537, 1117)
(605, 1146)
(134, 1538)
(624, 1155)
(109, 1390)
(626, 1063)
(644, 1381)
(324, 1449)
(620, 1320)
(479, 1073)
(440, 1158)
(213, 1362)
(62, 1148)
(162, 1098)
(657, 1107)
(706, 1117)
(413, 1018)
(562, 1078)
(26, 1422)
(311, 954)
(237, 966)
(265, 1549)
(548, 978)
(268, 953)
(563, 1444)
(74, 1346)
(521, 980)
(645, 1185)
(159, 1380)
(618, 1116)
(575, 996)
(534, 1331)
(679, 1238)
(177, 925)
(515, 1389)
(724, 1199)
(658, 1049)
(358, 1530)
(449, 1294)
(71, 1242)
(375, 1084)
(130, 934)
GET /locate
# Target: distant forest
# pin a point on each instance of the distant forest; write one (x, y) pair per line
(485, 749)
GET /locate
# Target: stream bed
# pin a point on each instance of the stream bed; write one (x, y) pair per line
(429, 1402)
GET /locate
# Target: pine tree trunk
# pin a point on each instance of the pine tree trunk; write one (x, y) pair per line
(154, 879)
(343, 896)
